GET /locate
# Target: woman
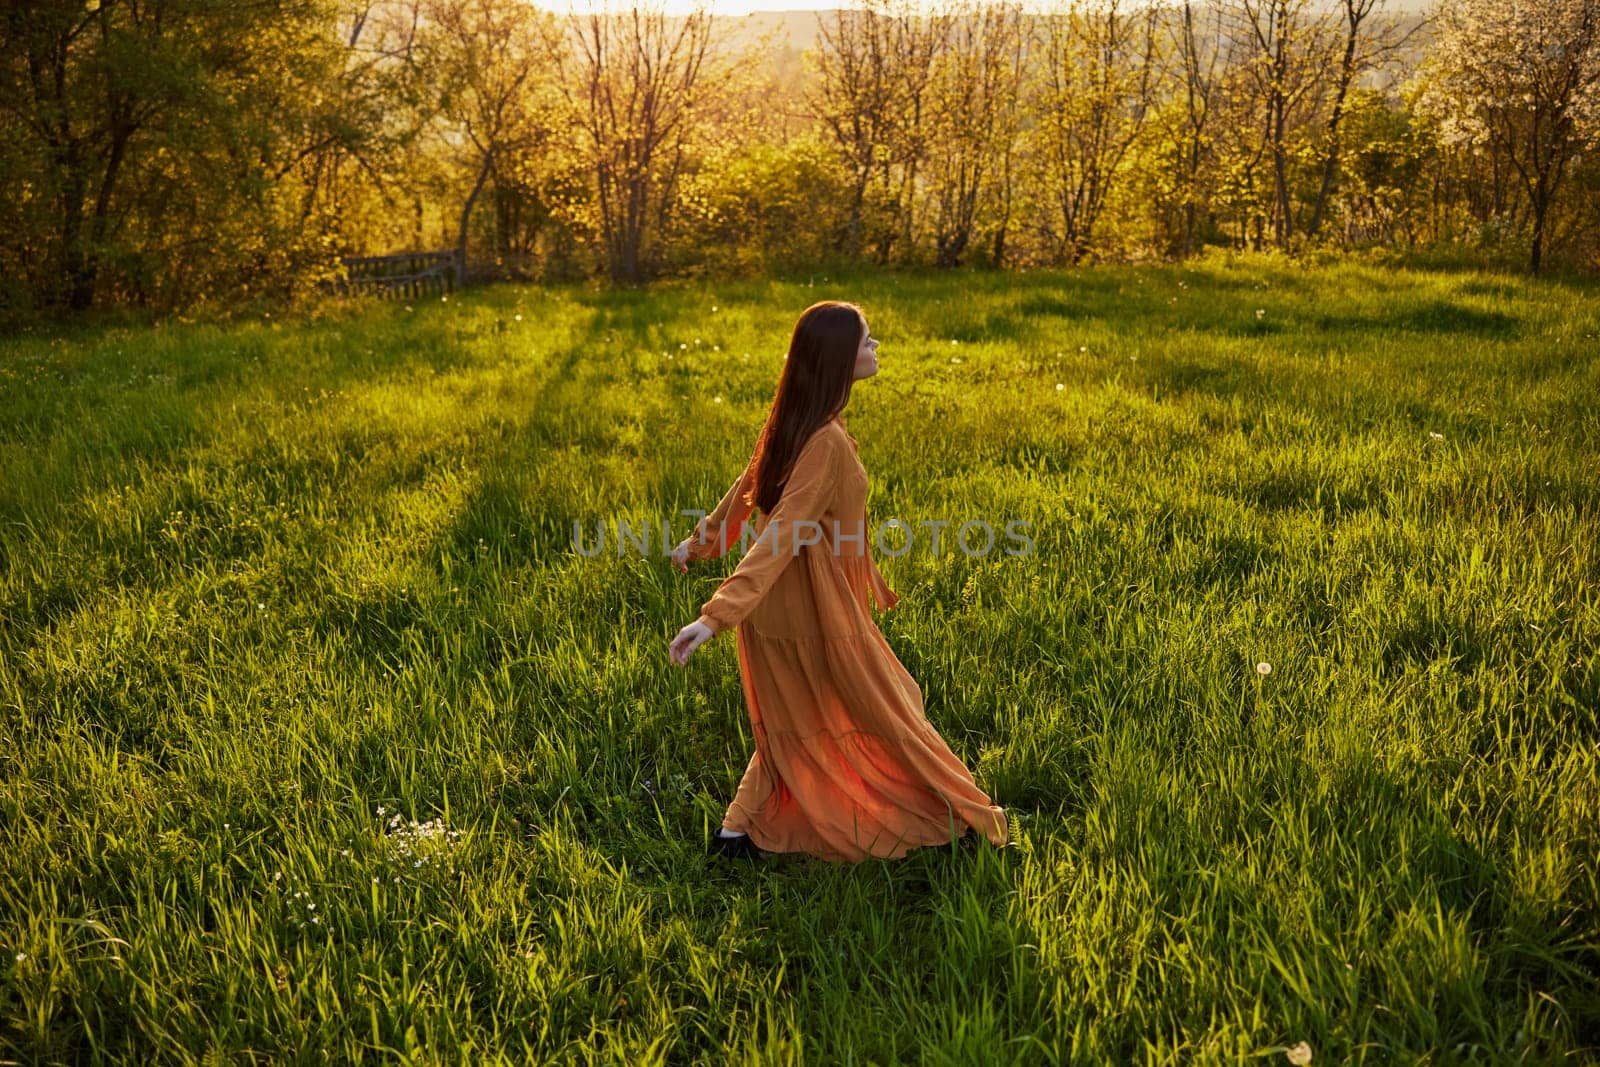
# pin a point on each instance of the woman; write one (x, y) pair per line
(846, 765)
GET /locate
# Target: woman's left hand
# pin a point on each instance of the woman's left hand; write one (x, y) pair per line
(689, 638)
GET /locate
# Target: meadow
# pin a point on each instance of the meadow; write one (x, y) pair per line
(320, 742)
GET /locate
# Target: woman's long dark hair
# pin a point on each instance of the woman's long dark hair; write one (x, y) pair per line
(814, 387)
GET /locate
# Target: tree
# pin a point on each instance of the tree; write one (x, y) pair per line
(632, 81)
(1097, 88)
(84, 83)
(483, 59)
(853, 98)
(972, 114)
(1287, 67)
(1198, 50)
(1359, 51)
(1520, 81)
(918, 36)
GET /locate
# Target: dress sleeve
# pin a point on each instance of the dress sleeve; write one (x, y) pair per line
(717, 532)
(806, 498)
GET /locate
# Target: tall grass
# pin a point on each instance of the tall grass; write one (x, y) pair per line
(319, 740)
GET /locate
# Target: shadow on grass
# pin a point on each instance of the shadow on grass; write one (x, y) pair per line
(1432, 317)
(494, 517)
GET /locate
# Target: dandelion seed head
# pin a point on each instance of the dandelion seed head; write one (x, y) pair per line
(1300, 1055)
(1263, 668)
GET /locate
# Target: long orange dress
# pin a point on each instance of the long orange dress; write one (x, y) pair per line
(846, 765)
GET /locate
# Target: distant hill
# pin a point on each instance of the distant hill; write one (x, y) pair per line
(799, 28)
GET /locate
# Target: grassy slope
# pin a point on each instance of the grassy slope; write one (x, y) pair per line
(259, 581)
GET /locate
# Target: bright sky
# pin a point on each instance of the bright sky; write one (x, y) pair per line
(683, 7)
(745, 7)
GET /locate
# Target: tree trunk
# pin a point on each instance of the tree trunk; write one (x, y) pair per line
(1330, 161)
(1280, 165)
(75, 264)
(466, 217)
(1541, 207)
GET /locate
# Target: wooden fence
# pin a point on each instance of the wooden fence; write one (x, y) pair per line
(406, 274)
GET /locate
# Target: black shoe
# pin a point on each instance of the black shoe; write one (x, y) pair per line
(735, 848)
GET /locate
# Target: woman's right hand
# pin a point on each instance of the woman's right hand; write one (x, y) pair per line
(680, 556)
(687, 640)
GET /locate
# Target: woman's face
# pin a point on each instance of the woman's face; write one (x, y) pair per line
(867, 354)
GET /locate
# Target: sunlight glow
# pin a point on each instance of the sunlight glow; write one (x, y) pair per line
(716, 7)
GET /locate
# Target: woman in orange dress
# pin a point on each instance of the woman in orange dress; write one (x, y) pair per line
(846, 765)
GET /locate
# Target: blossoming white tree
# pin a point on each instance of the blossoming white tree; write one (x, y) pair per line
(1519, 79)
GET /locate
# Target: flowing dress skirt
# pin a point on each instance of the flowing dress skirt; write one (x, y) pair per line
(846, 766)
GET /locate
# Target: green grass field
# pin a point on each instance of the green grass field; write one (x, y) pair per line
(319, 740)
